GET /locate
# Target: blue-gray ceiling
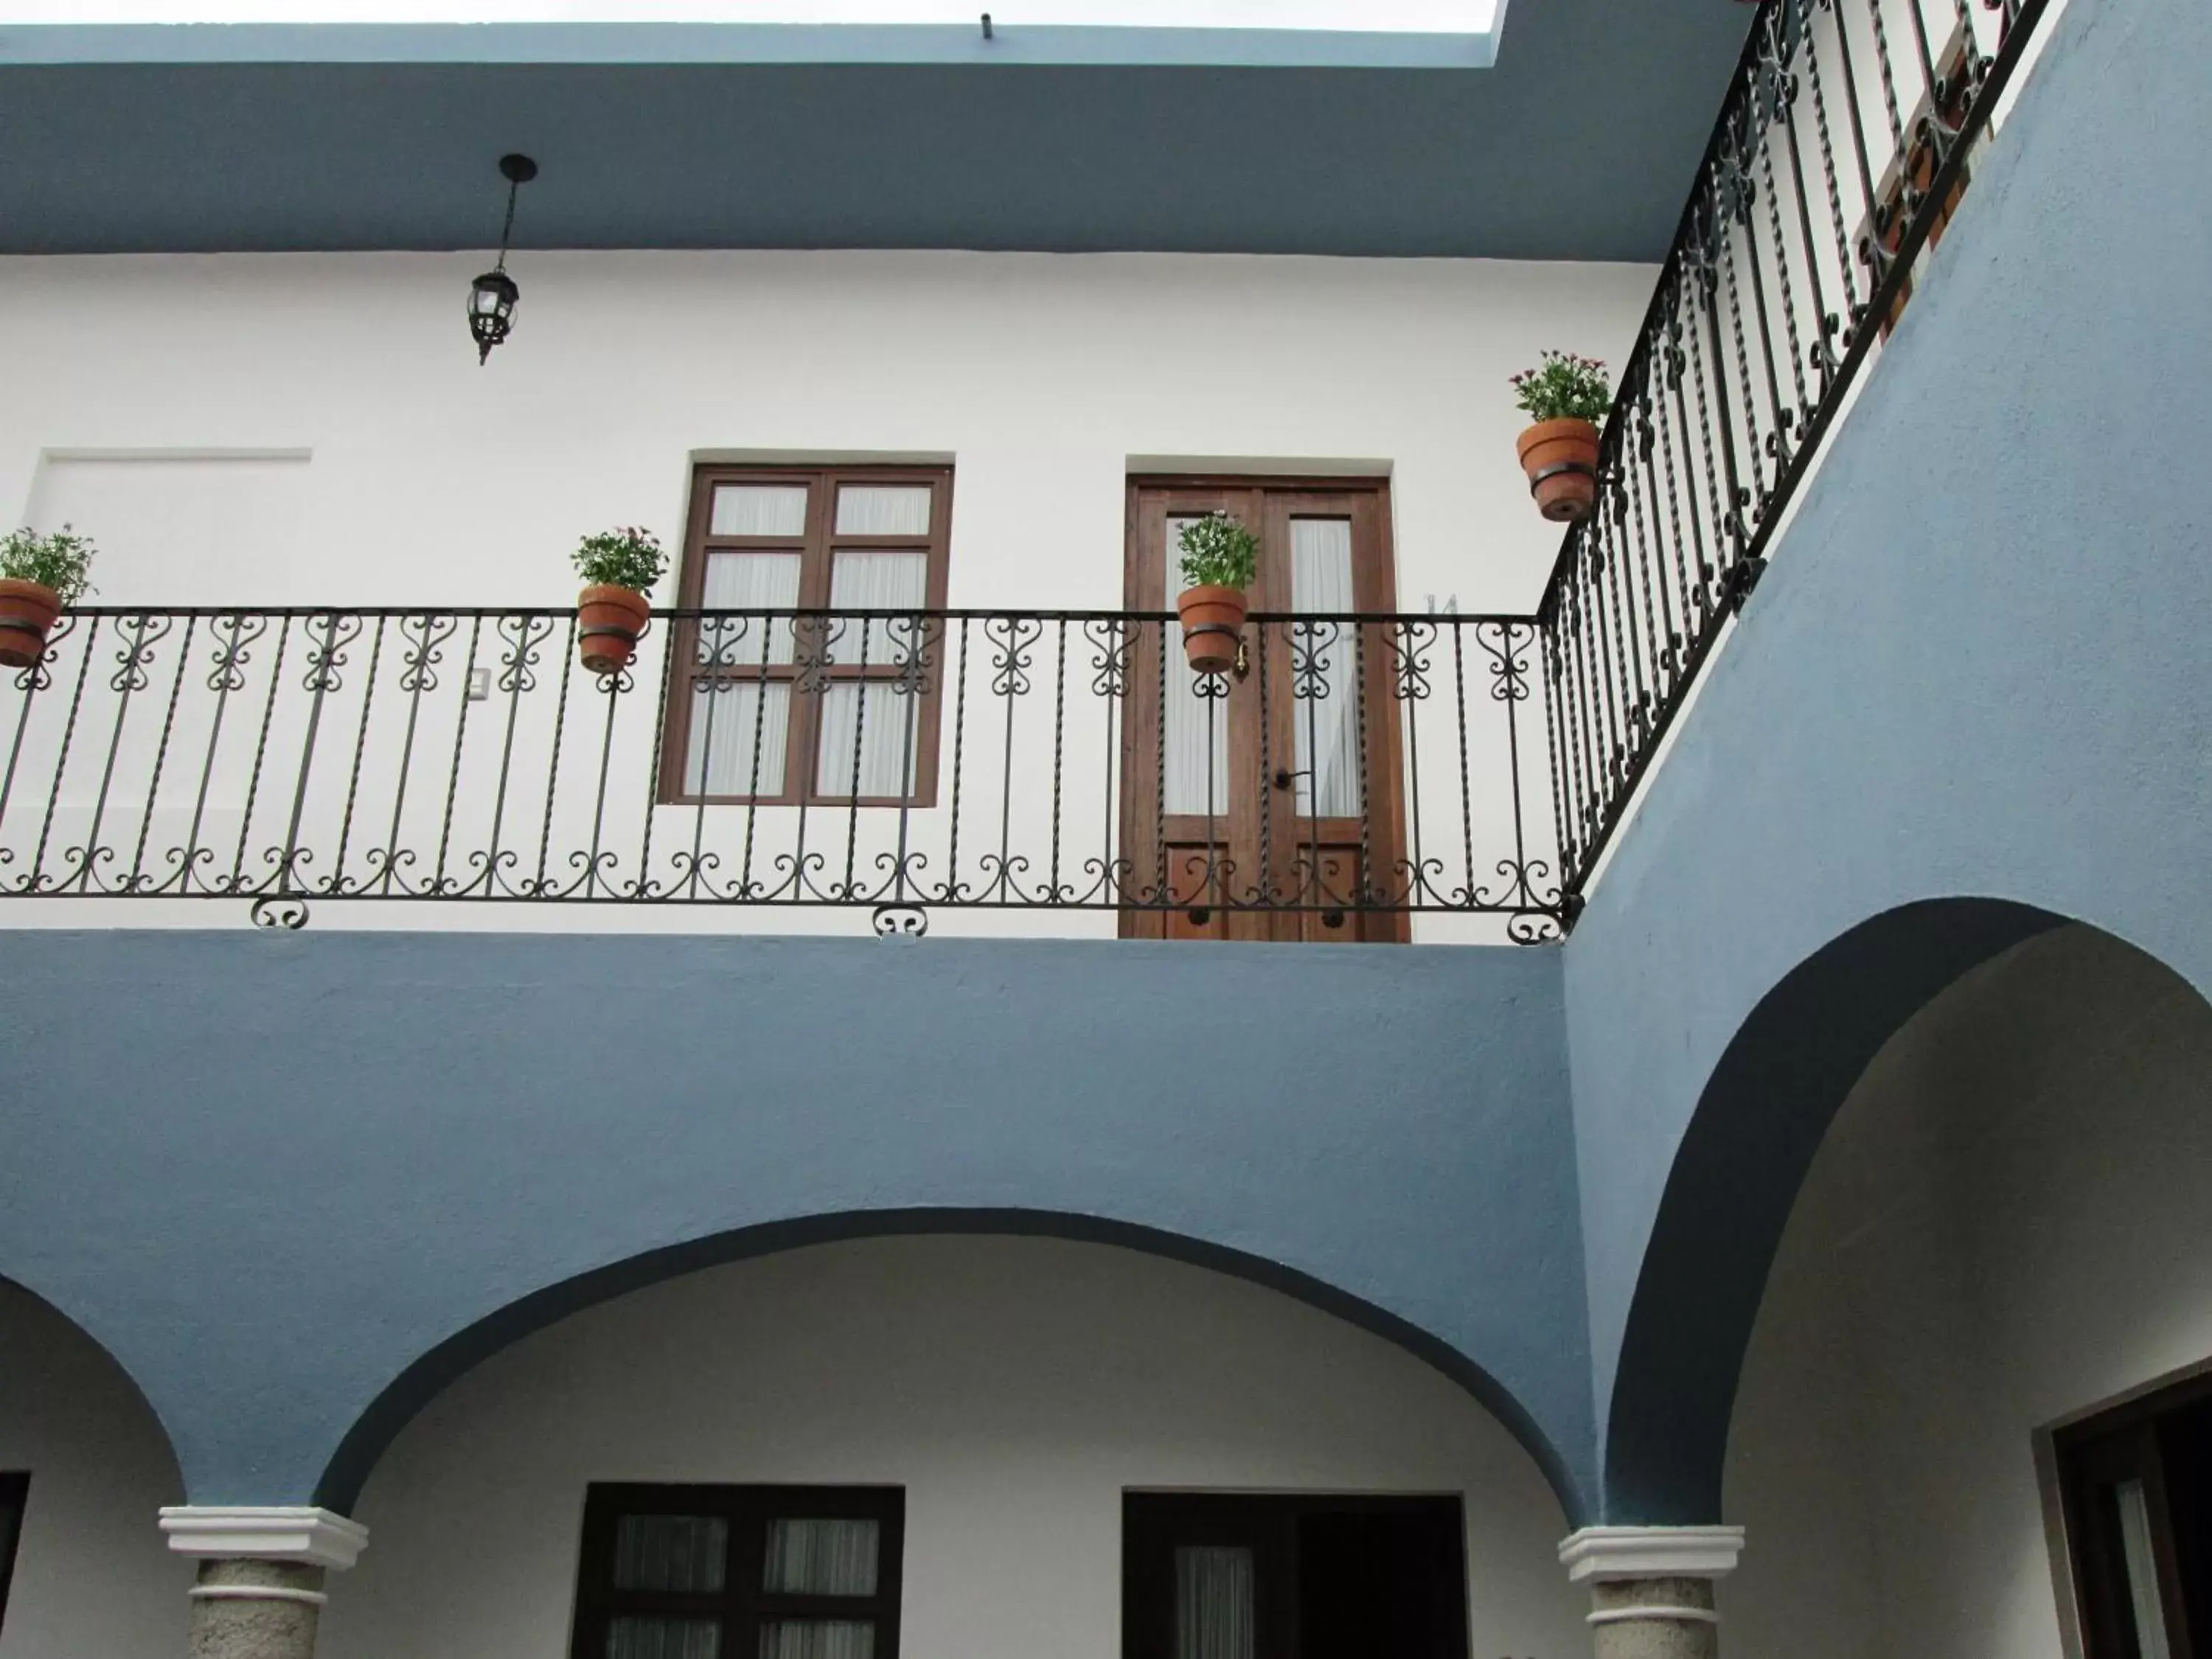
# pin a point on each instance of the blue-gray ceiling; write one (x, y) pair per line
(1578, 142)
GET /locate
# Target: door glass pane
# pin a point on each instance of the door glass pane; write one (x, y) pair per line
(2143, 1600)
(820, 1558)
(871, 728)
(1189, 720)
(747, 581)
(682, 1552)
(876, 582)
(1213, 1603)
(758, 510)
(817, 1638)
(739, 732)
(883, 510)
(631, 1638)
(1324, 685)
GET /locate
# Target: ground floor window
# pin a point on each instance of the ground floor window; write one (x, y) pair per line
(1208, 1577)
(739, 1572)
(14, 1489)
(2137, 1489)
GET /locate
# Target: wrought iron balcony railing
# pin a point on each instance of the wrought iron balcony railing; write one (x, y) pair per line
(1841, 151)
(1353, 770)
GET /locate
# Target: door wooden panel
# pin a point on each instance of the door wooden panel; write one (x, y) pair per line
(1280, 783)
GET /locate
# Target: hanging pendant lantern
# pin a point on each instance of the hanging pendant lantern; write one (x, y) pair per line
(492, 295)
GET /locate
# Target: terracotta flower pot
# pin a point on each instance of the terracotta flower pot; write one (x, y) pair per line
(28, 612)
(1212, 618)
(609, 619)
(1560, 458)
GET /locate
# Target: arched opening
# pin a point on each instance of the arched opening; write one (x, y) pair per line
(391, 1410)
(1013, 1389)
(90, 1571)
(2004, 1229)
(1736, 1173)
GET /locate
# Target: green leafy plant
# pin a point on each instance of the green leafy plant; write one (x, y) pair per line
(624, 557)
(61, 560)
(1563, 386)
(1217, 552)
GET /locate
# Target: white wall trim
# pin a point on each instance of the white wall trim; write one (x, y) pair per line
(178, 452)
(1608, 1554)
(1681, 1615)
(257, 1593)
(254, 1533)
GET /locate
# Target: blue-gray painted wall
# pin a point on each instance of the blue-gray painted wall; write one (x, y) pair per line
(1978, 665)
(271, 1174)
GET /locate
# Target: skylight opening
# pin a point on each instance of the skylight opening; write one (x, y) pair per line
(1442, 17)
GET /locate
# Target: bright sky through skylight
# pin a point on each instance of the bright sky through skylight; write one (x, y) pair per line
(1411, 16)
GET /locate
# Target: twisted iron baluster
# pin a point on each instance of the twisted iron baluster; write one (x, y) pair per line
(337, 882)
(260, 753)
(137, 880)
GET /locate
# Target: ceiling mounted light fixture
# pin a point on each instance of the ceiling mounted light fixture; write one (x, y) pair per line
(492, 295)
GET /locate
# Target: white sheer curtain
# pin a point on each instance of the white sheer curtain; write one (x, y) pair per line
(758, 510)
(683, 1555)
(688, 1553)
(664, 1639)
(880, 717)
(734, 717)
(735, 723)
(1185, 719)
(1327, 725)
(883, 510)
(816, 1638)
(2143, 1571)
(821, 1558)
(747, 581)
(1213, 1603)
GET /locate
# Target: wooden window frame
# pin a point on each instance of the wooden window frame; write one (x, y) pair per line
(1154, 1524)
(815, 546)
(2099, 1450)
(15, 1503)
(742, 1606)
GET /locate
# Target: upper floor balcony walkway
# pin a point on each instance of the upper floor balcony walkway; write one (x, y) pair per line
(1362, 772)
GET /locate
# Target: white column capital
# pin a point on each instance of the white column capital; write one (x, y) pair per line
(1602, 1555)
(259, 1533)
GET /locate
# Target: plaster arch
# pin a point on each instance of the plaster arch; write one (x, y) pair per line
(1742, 1159)
(405, 1395)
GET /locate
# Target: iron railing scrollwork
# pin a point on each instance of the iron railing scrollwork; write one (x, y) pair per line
(1838, 153)
(900, 763)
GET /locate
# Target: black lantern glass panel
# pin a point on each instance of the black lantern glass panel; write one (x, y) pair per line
(491, 310)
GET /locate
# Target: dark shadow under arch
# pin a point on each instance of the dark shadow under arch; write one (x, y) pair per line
(48, 1308)
(1736, 1174)
(348, 1469)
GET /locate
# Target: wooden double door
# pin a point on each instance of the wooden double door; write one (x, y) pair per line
(1276, 785)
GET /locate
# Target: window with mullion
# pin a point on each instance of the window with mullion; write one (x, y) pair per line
(838, 708)
(739, 1572)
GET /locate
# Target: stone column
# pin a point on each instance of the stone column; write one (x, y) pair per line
(1652, 1587)
(261, 1588)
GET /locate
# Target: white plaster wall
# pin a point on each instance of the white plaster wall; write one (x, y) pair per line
(307, 429)
(93, 1576)
(1014, 1387)
(2005, 1227)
